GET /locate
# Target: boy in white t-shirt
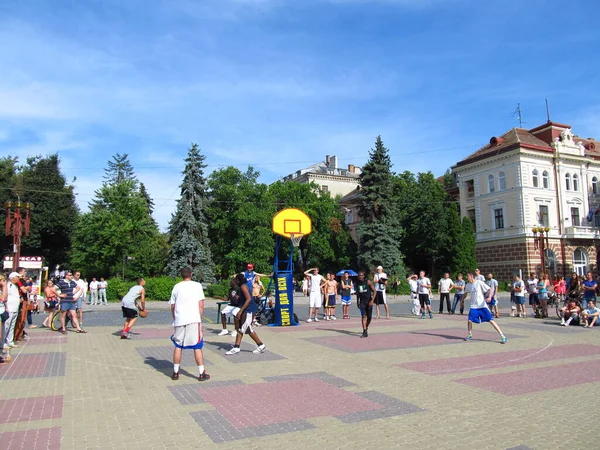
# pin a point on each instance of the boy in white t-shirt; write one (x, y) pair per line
(423, 291)
(481, 295)
(315, 296)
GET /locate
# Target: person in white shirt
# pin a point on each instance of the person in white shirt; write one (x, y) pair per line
(518, 289)
(412, 283)
(480, 294)
(380, 281)
(478, 276)
(187, 307)
(445, 285)
(102, 285)
(532, 288)
(423, 291)
(79, 296)
(315, 299)
(130, 306)
(13, 300)
(94, 292)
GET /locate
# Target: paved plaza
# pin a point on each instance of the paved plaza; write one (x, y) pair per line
(412, 384)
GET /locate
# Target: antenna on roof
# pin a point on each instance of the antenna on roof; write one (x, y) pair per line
(519, 115)
(547, 110)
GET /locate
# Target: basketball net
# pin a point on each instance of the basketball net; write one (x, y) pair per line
(296, 238)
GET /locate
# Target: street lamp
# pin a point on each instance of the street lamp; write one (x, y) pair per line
(540, 242)
(17, 224)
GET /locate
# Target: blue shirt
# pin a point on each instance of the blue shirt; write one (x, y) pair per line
(591, 293)
(67, 287)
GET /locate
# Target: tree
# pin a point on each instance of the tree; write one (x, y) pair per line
(146, 196)
(119, 169)
(379, 231)
(239, 212)
(188, 228)
(465, 259)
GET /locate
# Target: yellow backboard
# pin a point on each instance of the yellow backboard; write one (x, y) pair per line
(291, 222)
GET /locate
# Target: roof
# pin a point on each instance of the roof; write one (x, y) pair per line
(514, 138)
(351, 196)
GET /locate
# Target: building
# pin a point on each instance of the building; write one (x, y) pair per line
(545, 177)
(350, 203)
(328, 176)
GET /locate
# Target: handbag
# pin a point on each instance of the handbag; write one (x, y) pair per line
(4, 316)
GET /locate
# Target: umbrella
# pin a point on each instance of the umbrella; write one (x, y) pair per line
(351, 272)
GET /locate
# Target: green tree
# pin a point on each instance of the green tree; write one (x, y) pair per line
(119, 169)
(188, 229)
(379, 231)
(146, 196)
(239, 212)
(465, 259)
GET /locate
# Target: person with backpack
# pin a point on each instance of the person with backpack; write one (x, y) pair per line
(243, 318)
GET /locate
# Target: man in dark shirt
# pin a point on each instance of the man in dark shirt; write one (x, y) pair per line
(365, 296)
(68, 287)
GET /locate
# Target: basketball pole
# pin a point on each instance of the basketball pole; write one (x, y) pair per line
(284, 287)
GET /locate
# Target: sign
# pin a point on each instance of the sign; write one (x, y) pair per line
(284, 300)
(27, 262)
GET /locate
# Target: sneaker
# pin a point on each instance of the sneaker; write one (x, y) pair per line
(223, 333)
(333, 318)
(503, 339)
(233, 351)
(234, 333)
(13, 345)
(259, 349)
(431, 315)
(326, 317)
(562, 322)
(124, 336)
(469, 337)
(203, 376)
(422, 316)
(316, 320)
(309, 320)
(175, 376)
(365, 334)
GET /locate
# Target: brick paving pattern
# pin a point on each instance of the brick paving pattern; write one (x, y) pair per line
(43, 438)
(245, 355)
(34, 365)
(27, 409)
(161, 357)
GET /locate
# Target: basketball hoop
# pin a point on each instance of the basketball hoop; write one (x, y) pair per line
(296, 238)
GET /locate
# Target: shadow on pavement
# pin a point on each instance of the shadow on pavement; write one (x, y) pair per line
(165, 367)
(341, 331)
(445, 336)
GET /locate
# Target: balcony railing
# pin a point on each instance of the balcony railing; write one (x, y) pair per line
(585, 232)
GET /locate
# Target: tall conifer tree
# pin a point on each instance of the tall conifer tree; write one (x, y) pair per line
(379, 231)
(188, 229)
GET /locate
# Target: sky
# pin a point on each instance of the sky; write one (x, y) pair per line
(279, 84)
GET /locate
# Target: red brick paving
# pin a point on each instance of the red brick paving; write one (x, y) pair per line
(46, 340)
(26, 409)
(352, 324)
(25, 366)
(283, 401)
(42, 438)
(151, 333)
(504, 359)
(536, 380)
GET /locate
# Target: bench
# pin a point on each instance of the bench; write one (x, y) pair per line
(219, 305)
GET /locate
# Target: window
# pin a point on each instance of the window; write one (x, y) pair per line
(535, 179)
(349, 216)
(575, 220)
(568, 181)
(543, 216)
(545, 179)
(470, 188)
(580, 261)
(471, 215)
(498, 218)
(502, 181)
(575, 182)
(325, 188)
(594, 185)
(491, 183)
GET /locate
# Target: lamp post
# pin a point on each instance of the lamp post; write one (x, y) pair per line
(17, 224)
(540, 242)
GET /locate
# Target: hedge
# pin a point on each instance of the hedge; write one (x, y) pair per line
(159, 288)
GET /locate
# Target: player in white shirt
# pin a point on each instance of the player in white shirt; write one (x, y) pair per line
(480, 296)
(445, 285)
(187, 306)
(423, 291)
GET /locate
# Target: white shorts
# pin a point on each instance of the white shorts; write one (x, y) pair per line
(315, 300)
(230, 310)
(246, 323)
(188, 336)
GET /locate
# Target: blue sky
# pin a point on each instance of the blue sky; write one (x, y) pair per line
(279, 84)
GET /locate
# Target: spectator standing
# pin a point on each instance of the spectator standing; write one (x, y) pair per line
(315, 297)
(532, 288)
(543, 286)
(381, 281)
(13, 300)
(50, 303)
(445, 285)
(560, 288)
(187, 307)
(68, 288)
(94, 292)
(459, 294)
(519, 289)
(346, 295)
(493, 285)
(4, 286)
(414, 298)
(574, 287)
(423, 290)
(478, 276)
(102, 286)
(589, 289)
(79, 297)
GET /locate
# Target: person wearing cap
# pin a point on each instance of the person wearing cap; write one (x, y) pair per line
(13, 300)
(380, 280)
(249, 274)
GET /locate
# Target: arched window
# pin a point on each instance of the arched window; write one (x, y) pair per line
(545, 179)
(568, 182)
(491, 183)
(502, 181)
(535, 178)
(575, 182)
(594, 185)
(580, 261)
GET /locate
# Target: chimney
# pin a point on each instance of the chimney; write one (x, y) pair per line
(351, 168)
(334, 161)
(327, 160)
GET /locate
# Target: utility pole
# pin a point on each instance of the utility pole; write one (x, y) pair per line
(17, 224)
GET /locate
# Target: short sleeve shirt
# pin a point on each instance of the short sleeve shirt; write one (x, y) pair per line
(67, 288)
(590, 293)
(315, 283)
(492, 284)
(421, 283)
(185, 296)
(460, 283)
(379, 287)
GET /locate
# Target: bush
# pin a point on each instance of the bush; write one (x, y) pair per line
(116, 289)
(218, 290)
(159, 288)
